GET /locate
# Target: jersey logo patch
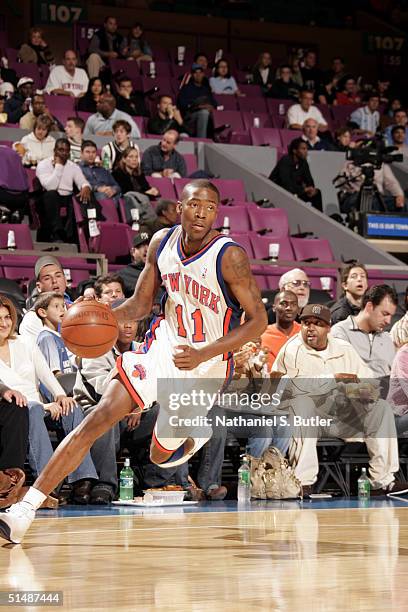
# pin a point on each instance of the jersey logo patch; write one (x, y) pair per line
(139, 371)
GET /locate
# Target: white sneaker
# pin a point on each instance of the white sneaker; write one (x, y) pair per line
(15, 521)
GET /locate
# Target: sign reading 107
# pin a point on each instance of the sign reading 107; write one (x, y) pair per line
(58, 13)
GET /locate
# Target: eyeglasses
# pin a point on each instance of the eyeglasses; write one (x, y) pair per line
(300, 283)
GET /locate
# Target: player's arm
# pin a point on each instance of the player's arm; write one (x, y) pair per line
(140, 304)
(237, 274)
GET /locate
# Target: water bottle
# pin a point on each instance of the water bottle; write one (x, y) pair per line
(106, 161)
(257, 123)
(364, 486)
(281, 109)
(92, 224)
(11, 241)
(244, 481)
(135, 214)
(226, 226)
(126, 481)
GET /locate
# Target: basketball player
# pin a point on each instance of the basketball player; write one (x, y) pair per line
(208, 281)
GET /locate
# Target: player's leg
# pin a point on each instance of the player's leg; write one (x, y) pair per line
(113, 406)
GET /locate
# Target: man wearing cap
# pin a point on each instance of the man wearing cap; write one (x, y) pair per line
(19, 103)
(38, 106)
(49, 277)
(331, 382)
(132, 271)
(197, 102)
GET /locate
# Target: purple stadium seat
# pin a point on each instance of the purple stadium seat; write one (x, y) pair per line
(265, 136)
(228, 102)
(191, 162)
(11, 54)
(160, 54)
(252, 105)
(341, 113)
(238, 218)
(130, 68)
(22, 235)
(141, 123)
(164, 185)
(249, 120)
(109, 210)
(287, 136)
(251, 91)
(244, 241)
(162, 69)
(231, 190)
(114, 241)
(232, 118)
(326, 112)
(27, 70)
(63, 114)
(313, 248)
(274, 220)
(275, 106)
(163, 83)
(58, 103)
(84, 115)
(45, 73)
(260, 246)
(18, 268)
(240, 138)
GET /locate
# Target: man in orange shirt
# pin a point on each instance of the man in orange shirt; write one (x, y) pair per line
(286, 309)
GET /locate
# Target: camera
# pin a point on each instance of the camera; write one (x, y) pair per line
(375, 153)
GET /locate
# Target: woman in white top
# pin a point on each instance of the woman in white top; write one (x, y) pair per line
(38, 144)
(222, 82)
(23, 367)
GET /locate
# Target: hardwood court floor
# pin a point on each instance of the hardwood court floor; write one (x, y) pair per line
(347, 559)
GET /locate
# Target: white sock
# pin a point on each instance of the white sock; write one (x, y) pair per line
(34, 497)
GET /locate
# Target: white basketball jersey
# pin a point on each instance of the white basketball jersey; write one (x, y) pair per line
(197, 306)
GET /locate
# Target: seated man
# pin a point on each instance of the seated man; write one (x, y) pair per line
(333, 385)
(19, 103)
(138, 254)
(367, 118)
(38, 108)
(401, 121)
(130, 101)
(68, 80)
(102, 122)
(196, 103)
(292, 172)
(310, 129)
(163, 159)
(74, 129)
(286, 309)
(168, 117)
(58, 177)
(167, 215)
(105, 44)
(102, 183)
(109, 288)
(112, 152)
(354, 283)
(298, 113)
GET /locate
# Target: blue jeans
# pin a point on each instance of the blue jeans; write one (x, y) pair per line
(40, 448)
(259, 439)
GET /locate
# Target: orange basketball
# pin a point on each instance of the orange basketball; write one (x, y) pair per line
(89, 329)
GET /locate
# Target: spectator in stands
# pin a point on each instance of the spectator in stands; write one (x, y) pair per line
(349, 93)
(263, 73)
(384, 180)
(222, 81)
(135, 46)
(292, 172)
(320, 364)
(167, 215)
(50, 308)
(284, 87)
(296, 71)
(298, 282)
(168, 117)
(310, 136)
(163, 159)
(36, 50)
(298, 113)
(105, 44)
(134, 186)
(112, 152)
(23, 367)
(13, 428)
(387, 117)
(398, 391)
(132, 271)
(399, 331)
(365, 331)
(102, 183)
(38, 108)
(101, 123)
(354, 283)
(383, 86)
(130, 101)
(13, 185)
(311, 74)
(49, 277)
(3, 114)
(74, 129)
(367, 118)
(398, 139)
(327, 91)
(196, 103)
(88, 102)
(342, 140)
(400, 120)
(38, 144)
(286, 309)
(109, 288)
(20, 101)
(68, 79)
(58, 177)
(201, 59)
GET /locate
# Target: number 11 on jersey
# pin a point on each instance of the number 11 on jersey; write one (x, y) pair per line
(197, 317)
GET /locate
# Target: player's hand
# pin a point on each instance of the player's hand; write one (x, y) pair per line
(54, 409)
(18, 397)
(67, 404)
(133, 420)
(187, 358)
